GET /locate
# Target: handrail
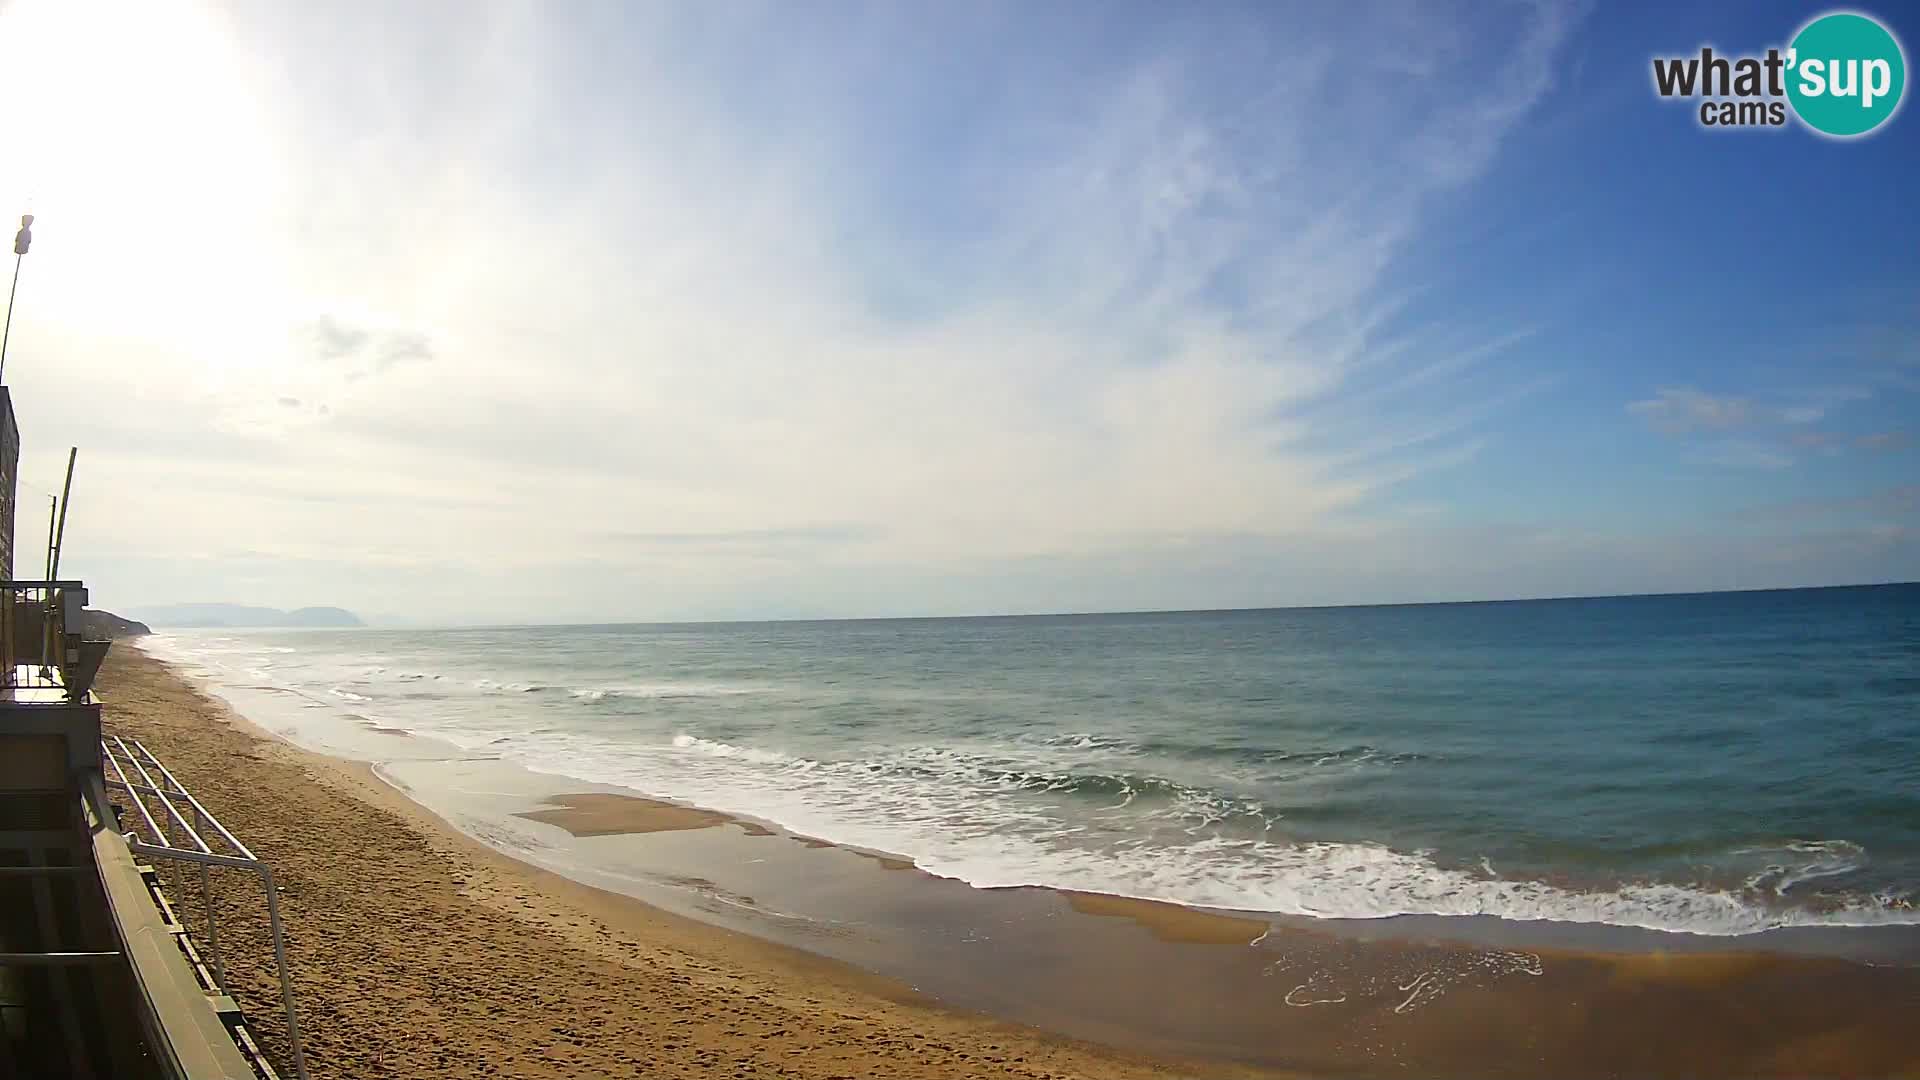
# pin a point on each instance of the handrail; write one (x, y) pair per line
(131, 752)
(178, 1021)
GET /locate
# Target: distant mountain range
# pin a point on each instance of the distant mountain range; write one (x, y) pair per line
(206, 615)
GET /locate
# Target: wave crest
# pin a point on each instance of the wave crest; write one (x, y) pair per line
(950, 812)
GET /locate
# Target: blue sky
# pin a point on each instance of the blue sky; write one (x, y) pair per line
(484, 313)
(1772, 268)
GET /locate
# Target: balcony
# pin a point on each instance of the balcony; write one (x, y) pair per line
(44, 657)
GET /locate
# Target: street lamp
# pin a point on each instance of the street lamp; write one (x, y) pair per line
(21, 240)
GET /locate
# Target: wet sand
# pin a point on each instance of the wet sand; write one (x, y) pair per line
(1171, 922)
(406, 926)
(600, 813)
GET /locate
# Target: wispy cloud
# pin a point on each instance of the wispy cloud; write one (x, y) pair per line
(1810, 406)
(1743, 454)
(1887, 504)
(357, 352)
(764, 543)
(1744, 431)
(600, 282)
(1682, 409)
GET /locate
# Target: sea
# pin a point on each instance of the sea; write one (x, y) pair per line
(1718, 764)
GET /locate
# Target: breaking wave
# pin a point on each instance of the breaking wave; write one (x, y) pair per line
(1131, 811)
(950, 811)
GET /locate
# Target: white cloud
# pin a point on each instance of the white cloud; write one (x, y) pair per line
(1683, 409)
(1775, 430)
(379, 299)
(1744, 454)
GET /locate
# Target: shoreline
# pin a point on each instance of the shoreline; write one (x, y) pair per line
(596, 813)
(1087, 964)
(1358, 886)
(452, 958)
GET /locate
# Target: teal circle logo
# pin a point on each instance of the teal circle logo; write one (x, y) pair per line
(1845, 74)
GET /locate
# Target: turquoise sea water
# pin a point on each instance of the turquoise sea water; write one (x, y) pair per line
(1718, 763)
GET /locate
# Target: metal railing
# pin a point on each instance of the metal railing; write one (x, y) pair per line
(130, 767)
(42, 643)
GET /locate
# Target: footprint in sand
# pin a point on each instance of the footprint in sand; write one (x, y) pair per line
(1307, 994)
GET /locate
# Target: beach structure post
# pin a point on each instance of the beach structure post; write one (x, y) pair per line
(60, 531)
(53, 507)
(21, 241)
(56, 537)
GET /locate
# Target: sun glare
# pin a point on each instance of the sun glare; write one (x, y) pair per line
(135, 134)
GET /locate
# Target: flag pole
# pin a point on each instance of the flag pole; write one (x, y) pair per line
(21, 240)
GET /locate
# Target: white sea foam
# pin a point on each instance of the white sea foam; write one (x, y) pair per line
(1087, 740)
(593, 694)
(1085, 810)
(955, 819)
(499, 686)
(660, 691)
(1801, 861)
(744, 753)
(372, 675)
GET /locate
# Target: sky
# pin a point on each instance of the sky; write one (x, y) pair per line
(480, 313)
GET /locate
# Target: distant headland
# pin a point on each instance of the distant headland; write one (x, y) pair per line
(240, 615)
(105, 626)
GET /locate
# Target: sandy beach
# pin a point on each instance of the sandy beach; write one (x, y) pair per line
(419, 951)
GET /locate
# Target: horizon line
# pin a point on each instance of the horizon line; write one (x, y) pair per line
(1053, 614)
